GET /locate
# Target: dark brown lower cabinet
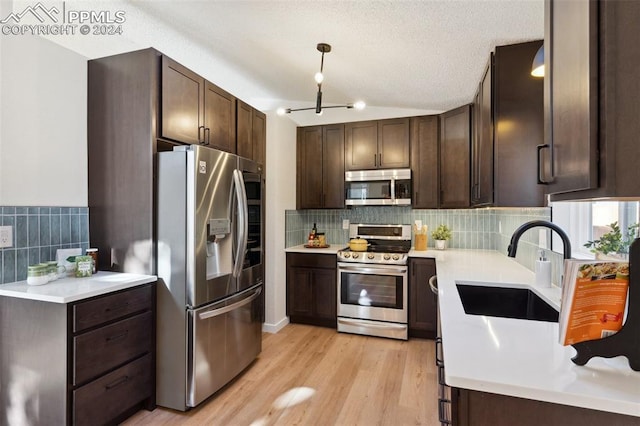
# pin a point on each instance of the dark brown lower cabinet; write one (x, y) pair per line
(474, 408)
(312, 289)
(422, 301)
(90, 362)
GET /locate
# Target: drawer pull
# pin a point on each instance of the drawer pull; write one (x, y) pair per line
(441, 380)
(443, 411)
(117, 336)
(117, 383)
(439, 362)
(118, 308)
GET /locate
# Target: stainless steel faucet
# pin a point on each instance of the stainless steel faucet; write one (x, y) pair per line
(513, 244)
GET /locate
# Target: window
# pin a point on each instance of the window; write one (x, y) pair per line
(588, 221)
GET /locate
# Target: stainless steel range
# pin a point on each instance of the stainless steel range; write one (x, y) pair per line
(372, 285)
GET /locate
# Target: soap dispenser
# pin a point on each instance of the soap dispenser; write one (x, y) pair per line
(543, 270)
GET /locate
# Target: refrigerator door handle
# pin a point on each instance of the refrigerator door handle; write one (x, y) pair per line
(243, 225)
(220, 311)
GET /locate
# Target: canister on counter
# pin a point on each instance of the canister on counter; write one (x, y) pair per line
(84, 266)
(93, 252)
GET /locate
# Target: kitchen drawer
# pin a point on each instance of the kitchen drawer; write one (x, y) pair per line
(312, 260)
(100, 350)
(98, 311)
(103, 400)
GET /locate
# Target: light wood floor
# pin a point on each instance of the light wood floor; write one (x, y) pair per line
(316, 376)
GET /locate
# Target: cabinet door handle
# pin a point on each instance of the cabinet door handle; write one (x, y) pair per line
(117, 382)
(201, 136)
(380, 159)
(541, 181)
(375, 160)
(207, 133)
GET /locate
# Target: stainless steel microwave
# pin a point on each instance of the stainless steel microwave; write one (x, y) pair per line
(378, 187)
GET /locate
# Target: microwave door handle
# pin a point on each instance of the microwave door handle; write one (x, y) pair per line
(393, 190)
(243, 226)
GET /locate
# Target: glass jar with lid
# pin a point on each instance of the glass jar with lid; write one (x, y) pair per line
(93, 252)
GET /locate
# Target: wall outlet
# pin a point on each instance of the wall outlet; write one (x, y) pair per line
(499, 227)
(6, 236)
(345, 224)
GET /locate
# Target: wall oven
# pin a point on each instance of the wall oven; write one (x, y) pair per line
(373, 285)
(378, 187)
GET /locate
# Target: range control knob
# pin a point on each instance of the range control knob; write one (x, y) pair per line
(370, 256)
(395, 257)
(346, 255)
(386, 257)
(355, 255)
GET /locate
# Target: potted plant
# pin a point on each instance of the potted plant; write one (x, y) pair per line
(613, 244)
(441, 234)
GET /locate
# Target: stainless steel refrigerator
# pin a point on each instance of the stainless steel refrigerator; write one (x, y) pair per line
(210, 269)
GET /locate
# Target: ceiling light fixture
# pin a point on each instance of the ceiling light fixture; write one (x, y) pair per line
(537, 66)
(319, 78)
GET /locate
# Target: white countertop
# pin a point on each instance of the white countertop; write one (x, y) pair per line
(332, 249)
(66, 290)
(521, 358)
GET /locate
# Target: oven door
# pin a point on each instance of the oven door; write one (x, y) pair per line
(372, 292)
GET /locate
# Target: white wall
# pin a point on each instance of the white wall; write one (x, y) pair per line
(281, 196)
(43, 136)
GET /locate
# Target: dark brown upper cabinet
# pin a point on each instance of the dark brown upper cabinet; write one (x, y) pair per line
(518, 126)
(250, 132)
(455, 153)
(194, 110)
(382, 144)
(591, 94)
(320, 167)
(482, 146)
(219, 118)
(508, 124)
(259, 135)
(244, 124)
(182, 103)
(424, 161)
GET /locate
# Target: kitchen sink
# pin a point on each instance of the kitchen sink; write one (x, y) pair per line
(505, 302)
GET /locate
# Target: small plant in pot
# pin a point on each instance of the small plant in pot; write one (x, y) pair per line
(613, 244)
(441, 234)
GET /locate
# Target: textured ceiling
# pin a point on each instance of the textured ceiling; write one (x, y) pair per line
(400, 57)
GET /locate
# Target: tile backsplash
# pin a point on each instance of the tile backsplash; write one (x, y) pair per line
(37, 233)
(472, 229)
(487, 228)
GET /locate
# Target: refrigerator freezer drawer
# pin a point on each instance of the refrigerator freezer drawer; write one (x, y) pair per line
(225, 337)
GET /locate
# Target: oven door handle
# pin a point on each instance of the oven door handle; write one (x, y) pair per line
(386, 270)
(368, 324)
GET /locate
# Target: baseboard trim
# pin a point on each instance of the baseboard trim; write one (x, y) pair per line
(274, 328)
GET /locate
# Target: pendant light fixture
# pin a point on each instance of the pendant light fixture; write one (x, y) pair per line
(537, 66)
(319, 78)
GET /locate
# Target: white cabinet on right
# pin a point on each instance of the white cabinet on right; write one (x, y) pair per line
(591, 100)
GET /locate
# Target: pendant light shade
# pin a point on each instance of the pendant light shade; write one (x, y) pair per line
(537, 67)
